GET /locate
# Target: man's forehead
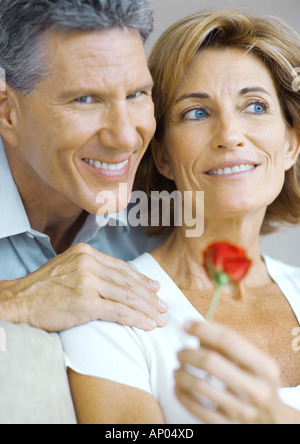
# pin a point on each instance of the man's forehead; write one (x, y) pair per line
(113, 51)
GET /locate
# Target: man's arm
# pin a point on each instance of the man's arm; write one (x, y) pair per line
(99, 401)
(79, 286)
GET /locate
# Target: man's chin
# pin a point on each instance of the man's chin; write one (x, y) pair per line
(109, 202)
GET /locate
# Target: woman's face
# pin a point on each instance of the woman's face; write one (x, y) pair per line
(226, 135)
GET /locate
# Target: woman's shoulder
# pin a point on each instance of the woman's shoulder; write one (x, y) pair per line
(147, 265)
(281, 270)
(287, 277)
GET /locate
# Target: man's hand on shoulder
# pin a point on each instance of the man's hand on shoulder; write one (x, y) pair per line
(79, 286)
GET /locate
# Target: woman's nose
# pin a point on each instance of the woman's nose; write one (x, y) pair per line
(119, 131)
(228, 133)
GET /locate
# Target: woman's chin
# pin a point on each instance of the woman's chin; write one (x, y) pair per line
(234, 210)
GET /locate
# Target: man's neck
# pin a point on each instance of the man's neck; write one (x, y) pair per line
(48, 211)
(63, 234)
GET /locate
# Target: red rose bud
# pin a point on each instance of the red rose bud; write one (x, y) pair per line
(225, 264)
(225, 259)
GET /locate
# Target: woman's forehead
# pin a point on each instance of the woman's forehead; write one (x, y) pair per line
(215, 71)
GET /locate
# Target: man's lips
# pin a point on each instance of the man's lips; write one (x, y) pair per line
(112, 170)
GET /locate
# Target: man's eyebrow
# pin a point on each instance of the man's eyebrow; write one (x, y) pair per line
(145, 86)
(149, 85)
(94, 92)
(198, 95)
(245, 91)
(76, 92)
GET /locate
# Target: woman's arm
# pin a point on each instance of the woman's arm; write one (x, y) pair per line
(99, 401)
(251, 380)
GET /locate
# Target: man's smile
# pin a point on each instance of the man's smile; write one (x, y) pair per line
(112, 170)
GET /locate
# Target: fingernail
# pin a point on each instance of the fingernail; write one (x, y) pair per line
(155, 285)
(162, 322)
(163, 305)
(188, 326)
(152, 323)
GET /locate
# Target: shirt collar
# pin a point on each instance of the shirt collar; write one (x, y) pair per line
(13, 217)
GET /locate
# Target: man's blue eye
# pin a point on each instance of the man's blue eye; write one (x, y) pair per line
(196, 114)
(135, 95)
(86, 100)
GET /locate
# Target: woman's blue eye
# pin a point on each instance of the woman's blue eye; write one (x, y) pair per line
(257, 108)
(196, 114)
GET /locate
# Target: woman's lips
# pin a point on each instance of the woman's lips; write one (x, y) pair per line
(229, 171)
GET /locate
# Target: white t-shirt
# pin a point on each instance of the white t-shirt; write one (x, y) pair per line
(147, 360)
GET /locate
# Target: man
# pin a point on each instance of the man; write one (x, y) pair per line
(76, 117)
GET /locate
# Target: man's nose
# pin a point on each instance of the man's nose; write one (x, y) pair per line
(119, 130)
(228, 132)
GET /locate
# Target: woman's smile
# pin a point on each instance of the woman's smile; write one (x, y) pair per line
(233, 170)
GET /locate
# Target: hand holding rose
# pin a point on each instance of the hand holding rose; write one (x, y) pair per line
(251, 378)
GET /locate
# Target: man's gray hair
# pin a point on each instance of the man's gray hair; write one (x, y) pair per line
(23, 24)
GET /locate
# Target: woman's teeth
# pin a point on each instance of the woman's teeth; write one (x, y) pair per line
(106, 166)
(233, 170)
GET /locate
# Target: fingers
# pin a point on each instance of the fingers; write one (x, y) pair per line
(122, 314)
(135, 295)
(220, 383)
(213, 398)
(235, 348)
(139, 300)
(201, 412)
(237, 381)
(113, 266)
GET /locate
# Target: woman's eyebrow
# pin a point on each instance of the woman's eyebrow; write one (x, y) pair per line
(199, 95)
(202, 95)
(253, 89)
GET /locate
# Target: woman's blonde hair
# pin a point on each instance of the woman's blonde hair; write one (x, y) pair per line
(268, 38)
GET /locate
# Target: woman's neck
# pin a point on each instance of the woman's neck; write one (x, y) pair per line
(186, 268)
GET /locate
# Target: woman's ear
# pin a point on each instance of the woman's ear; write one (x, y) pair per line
(161, 159)
(292, 150)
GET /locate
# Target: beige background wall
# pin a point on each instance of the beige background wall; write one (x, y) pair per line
(284, 245)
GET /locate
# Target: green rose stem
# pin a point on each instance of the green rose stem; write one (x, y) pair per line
(221, 280)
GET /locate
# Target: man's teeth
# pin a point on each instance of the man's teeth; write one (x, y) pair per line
(233, 170)
(106, 166)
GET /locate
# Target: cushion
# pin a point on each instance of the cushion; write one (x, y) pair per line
(34, 387)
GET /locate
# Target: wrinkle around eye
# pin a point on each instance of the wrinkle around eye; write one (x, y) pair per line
(196, 114)
(262, 105)
(82, 100)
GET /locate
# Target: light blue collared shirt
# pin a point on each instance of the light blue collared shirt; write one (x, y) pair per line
(24, 250)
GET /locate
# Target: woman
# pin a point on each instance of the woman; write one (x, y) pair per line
(228, 124)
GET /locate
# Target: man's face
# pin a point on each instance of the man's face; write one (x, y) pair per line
(88, 123)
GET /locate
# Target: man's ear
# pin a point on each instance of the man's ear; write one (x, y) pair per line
(8, 115)
(161, 159)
